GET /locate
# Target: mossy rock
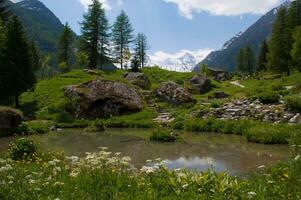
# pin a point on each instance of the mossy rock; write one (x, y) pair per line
(10, 118)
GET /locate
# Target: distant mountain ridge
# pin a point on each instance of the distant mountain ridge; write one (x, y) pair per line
(225, 58)
(40, 24)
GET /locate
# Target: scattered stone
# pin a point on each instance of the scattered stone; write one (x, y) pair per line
(164, 118)
(10, 118)
(103, 98)
(138, 79)
(252, 111)
(199, 84)
(171, 92)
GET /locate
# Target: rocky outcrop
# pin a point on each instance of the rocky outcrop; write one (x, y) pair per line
(218, 75)
(10, 118)
(199, 84)
(138, 79)
(103, 98)
(171, 92)
(253, 111)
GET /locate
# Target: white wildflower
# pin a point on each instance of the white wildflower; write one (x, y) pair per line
(297, 158)
(185, 186)
(261, 166)
(251, 195)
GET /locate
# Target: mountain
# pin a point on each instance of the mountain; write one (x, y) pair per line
(182, 62)
(40, 24)
(225, 58)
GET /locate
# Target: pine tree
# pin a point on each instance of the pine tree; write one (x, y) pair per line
(246, 61)
(95, 37)
(279, 49)
(141, 46)
(121, 36)
(240, 61)
(65, 45)
(17, 73)
(296, 51)
(34, 56)
(262, 58)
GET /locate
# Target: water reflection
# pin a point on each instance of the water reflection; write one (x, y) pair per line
(196, 164)
(199, 151)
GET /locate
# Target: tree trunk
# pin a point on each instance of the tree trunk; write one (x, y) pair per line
(17, 104)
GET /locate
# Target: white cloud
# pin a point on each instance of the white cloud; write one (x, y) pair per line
(184, 60)
(224, 7)
(105, 3)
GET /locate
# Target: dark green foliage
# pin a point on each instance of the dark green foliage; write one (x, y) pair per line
(253, 131)
(22, 149)
(164, 135)
(268, 97)
(246, 61)
(262, 58)
(141, 46)
(65, 45)
(34, 56)
(4, 10)
(95, 37)
(296, 50)
(122, 36)
(293, 103)
(17, 70)
(279, 49)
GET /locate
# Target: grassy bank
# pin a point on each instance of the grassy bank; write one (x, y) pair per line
(105, 176)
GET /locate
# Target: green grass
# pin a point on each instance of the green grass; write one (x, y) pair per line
(259, 132)
(163, 134)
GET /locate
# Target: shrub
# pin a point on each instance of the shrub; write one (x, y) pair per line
(268, 97)
(163, 135)
(293, 103)
(96, 126)
(22, 149)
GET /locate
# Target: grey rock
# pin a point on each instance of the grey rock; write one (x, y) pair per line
(199, 84)
(138, 79)
(10, 118)
(171, 92)
(103, 98)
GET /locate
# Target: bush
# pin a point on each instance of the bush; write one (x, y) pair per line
(268, 97)
(96, 126)
(22, 149)
(293, 103)
(163, 135)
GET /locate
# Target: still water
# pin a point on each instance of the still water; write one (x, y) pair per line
(197, 151)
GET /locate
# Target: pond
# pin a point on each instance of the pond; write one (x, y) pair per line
(198, 151)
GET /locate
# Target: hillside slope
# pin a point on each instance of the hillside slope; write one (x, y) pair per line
(225, 58)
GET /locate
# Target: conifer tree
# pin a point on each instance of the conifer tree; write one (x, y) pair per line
(65, 45)
(246, 60)
(122, 36)
(34, 56)
(141, 46)
(296, 51)
(262, 58)
(17, 71)
(279, 48)
(95, 37)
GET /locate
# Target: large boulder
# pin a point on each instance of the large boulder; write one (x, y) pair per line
(171, 92)
(218, 75)
(10, 118)
(138, 79)
(199, 84)
(103, 98)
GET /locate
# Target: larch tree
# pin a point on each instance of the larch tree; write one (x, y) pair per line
(296, 50)
(141, 47)
(17, 73)
(95, 37)
(122, 36)
(65, 45)
(262, 58)
(246, 61)
(279, 48)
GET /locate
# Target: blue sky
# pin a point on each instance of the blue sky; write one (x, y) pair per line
(174, 27)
